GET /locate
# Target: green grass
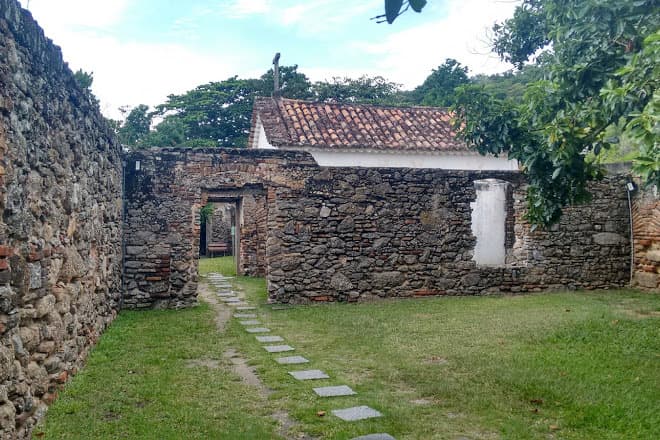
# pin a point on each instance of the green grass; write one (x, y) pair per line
(223, 265)
(138, 384)
(563, 365)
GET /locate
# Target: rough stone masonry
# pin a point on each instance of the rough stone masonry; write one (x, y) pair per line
(60, 230)
(317, 234)
(350, 234)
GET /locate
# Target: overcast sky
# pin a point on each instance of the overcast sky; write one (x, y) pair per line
(140, 51)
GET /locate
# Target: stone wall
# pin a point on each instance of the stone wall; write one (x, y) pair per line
(163, 198)
(646, 225)
(341, 234)
(353, 234)
(60, 232)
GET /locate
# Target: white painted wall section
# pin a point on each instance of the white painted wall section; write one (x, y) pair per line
(261, 140)
(412, 159)
(489, 222)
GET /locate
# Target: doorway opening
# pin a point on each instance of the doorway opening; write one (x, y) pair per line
(219, 230)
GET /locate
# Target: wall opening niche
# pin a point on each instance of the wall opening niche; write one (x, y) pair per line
(489, 222)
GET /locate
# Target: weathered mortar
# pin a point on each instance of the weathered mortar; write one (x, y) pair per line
(340, 234)
(60, 233)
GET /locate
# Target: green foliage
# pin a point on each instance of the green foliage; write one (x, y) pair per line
(136, 127)
(84, 79)
(439, 87)
(368, 90)
(218, 114)
(601, 59)
(520, 37)
(293, 84)
(509, 85)
(205, 213)
(394, 8)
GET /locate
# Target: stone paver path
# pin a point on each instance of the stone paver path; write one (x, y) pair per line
(231, 298)
(278, 348)
(375, 437)
(309, 375)
(257, 330)
(270, 338)
(341, 390)
(356, 413)
(290, 360)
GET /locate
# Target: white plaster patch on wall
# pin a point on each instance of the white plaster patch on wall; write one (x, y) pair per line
(489, 222)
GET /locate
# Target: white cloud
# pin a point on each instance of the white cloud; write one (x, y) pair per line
(409, 56)
(126, 73)
(141, 73)
(243, 8)
(83, 13)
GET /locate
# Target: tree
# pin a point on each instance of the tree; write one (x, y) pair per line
(438, 88)
(218, 114)
(602, 60)
(366, 90)
(136, 127)
(511, 84)
(293, 84)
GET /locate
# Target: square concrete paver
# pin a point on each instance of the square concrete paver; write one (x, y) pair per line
(278, 348)
(243, 308)
(309, 375)
(290, 360)
(270, 338)
(251, 322)
(257, 330)
(238, 305)
(245, 315)
(231, 299)
(382, 436)
(341, 390)
(356, 413)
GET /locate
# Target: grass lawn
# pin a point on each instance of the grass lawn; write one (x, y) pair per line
(148, 378)
(580, 365)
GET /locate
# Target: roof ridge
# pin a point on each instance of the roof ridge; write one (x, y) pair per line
(358, 104)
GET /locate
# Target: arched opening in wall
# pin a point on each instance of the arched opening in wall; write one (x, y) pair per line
(492, 222)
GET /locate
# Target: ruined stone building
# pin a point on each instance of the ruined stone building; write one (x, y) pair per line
(328, 212)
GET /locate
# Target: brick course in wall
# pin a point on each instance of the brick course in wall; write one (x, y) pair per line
(60, 232)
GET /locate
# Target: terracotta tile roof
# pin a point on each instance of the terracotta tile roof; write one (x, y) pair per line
(295, 123)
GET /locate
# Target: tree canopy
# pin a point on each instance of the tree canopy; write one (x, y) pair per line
(439, 87)
(601, 63)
